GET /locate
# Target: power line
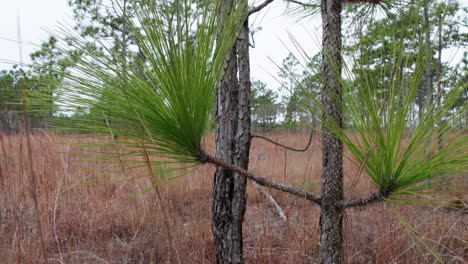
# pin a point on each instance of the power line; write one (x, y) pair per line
(11, 62)
(21, 42)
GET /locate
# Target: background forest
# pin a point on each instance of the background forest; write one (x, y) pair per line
(272, 107)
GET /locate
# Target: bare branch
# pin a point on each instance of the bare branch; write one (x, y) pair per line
(260, 7)
(206, 158)
(375, 197)
(300, 3)
(363, 1)
(286, 147)
(345, 1)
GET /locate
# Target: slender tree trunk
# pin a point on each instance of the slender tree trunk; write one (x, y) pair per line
(425, 90)
(232, 145)
(331, 218)
(428, 51)
(428, 72)
(227, 218)
(439, 76)
(243, 137)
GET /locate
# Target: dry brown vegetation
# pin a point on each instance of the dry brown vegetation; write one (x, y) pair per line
(99, 223)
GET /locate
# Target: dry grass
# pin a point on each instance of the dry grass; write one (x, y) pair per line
(101, 224)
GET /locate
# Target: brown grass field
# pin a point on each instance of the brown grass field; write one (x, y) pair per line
(100, 223)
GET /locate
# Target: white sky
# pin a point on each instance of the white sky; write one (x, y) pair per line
(37, 17)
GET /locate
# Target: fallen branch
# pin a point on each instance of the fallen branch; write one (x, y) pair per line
(269, 197)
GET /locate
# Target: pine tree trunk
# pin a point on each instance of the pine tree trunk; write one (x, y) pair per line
(439, 75)
(427, 45)
(243, 137)
(232, 145)
(331, 218)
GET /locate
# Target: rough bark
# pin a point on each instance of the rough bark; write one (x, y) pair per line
(331, 218)
(228, 196)
(243, 137)
(232, 145)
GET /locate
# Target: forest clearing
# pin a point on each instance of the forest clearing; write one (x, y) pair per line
(139, 133)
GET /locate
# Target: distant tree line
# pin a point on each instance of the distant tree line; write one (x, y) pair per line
(279, 108)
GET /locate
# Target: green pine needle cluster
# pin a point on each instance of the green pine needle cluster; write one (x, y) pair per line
(156, 103)
(401, 156)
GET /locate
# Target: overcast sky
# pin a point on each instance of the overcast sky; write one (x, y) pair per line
(38, 17)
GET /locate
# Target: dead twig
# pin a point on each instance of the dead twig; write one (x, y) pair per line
(287, 147)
